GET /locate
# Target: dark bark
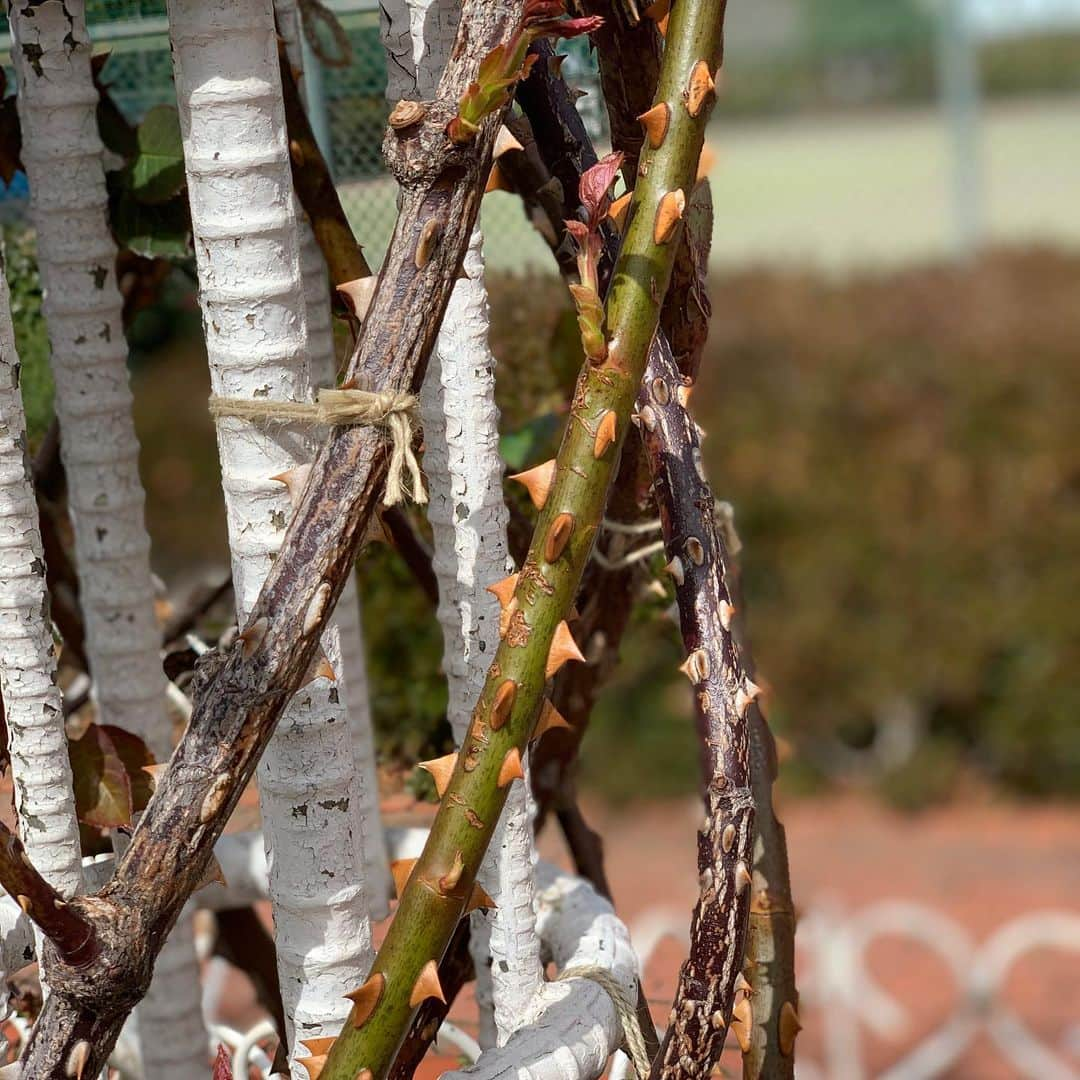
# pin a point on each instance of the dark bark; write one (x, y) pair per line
(239, 694)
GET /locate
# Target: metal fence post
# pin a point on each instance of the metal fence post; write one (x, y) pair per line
(958, 80)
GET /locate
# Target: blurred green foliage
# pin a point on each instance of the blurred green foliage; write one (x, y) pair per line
(20, 267)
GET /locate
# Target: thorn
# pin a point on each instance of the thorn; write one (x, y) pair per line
(365, 998)
(696, 666)
(727, 838)
(790, 1026)
(314, 1065)
(406, 113)
(655, 121)
(705, 162)
(683, 394)
(511, 769)
(449, 881)
(25, 903)
(357, 296)
(742, 876)
(214, 875)
(77, 1060)
(294, 481)
(668, 215)
(505, 142)
(504, 704)
(364, 1074)
(252, 636)
(440, 770)
(675, 569)
(550, 718)
(400, 871)
(727, 613)
(322, 1045)
(605, 433)
(647, 415)
(497, 181)
(745, 695)
(617, 210)
(214, 799)
(425, 245)
(155, 772)
(659, 12)
(537, 481)
(717, 1021)
(563, 648)
(693, 547)
(316, 607)
(558, 536)
(320, 668)
(427, 985)
(742, 1019)
(479, 899)
(699, 88)
(503, 590)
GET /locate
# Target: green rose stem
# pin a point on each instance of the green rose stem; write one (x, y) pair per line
(537, 641)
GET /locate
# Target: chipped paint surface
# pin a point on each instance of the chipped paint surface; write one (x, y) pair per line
(62, 154)
(253, 301)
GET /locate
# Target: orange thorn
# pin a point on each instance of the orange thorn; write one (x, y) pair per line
(742, 1020)
(505, 142)
(314, 1065)
(550, 717)
(511, 769)
(617, 210)
(365, 998)
(320, 668)
(479, 899)
(659, 12)
(440, 769)
(294, 481)
(504, 704)
(563, 648)
(356, 295)
(605, 434)
(251, 637)
(655, 121)
(503, 590)
(427, 985)
(537, 481)
(668, 215)
(558, 536)
(699, 88)
(790, 1026)
(155, 772)
(400, 871)
(497, 181)
(315, 1047)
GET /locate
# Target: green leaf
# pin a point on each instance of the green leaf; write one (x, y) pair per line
(530, 443)
(102, 787)
(153, 231)
(158, 168)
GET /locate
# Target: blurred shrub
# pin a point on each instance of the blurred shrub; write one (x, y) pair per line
(20, 268)
(901, 451)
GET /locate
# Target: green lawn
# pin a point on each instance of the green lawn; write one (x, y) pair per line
(843, 192)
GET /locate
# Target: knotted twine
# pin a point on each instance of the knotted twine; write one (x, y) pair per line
(633, 1039)
(393, 411)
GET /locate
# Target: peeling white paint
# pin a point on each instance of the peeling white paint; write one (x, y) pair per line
(252, 298)
(62, 154)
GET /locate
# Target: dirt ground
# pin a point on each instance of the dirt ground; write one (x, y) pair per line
(979, 865)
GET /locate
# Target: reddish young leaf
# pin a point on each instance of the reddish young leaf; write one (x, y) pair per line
(102, 787)
(222, 1066)
(596, 185)
(135, 755)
